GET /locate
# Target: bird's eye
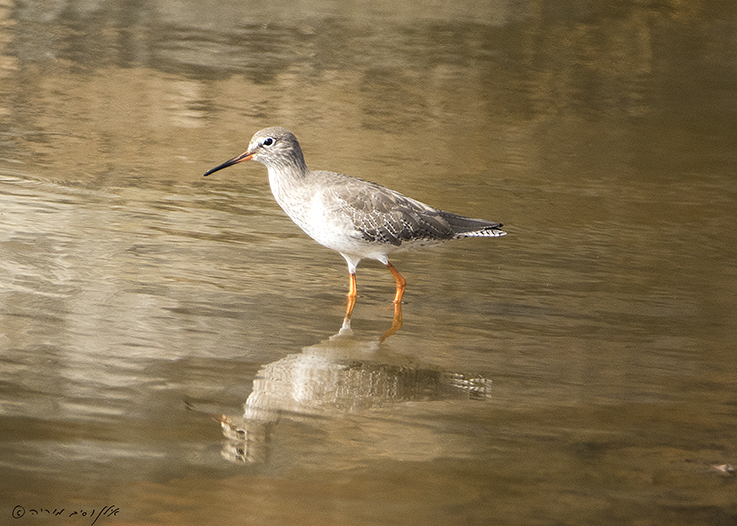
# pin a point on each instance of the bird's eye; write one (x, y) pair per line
(268, 141)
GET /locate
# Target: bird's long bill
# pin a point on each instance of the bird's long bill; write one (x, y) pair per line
(245, 156)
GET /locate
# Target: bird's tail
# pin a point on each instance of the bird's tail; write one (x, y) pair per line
(467, 227)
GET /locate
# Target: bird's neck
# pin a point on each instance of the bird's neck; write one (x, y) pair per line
(288, 180)
(288, 166)
(288, 177)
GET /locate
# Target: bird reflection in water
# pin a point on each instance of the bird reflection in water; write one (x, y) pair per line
(342, 375)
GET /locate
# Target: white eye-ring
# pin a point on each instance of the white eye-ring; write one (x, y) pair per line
(268, 141)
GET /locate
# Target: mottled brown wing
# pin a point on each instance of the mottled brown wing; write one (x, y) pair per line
(383, 215)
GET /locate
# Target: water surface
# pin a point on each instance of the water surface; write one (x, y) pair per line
(174, 347)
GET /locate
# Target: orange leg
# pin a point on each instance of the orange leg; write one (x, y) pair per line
(396, 322)
(401, 283)
(352, 289)
(352, 293)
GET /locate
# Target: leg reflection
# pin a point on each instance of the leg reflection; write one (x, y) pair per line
(342, 375)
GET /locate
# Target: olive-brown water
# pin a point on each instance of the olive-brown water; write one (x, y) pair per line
(173, 348)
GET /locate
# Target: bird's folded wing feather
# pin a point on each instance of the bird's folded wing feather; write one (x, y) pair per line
(383, 215)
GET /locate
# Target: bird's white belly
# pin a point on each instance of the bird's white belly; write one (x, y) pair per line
(327, 228)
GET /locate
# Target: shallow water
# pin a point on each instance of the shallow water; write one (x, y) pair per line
(174, 347)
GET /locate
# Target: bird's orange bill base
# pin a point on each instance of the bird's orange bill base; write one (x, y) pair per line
(401, 283)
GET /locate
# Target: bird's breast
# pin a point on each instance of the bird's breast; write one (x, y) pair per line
(307, 207)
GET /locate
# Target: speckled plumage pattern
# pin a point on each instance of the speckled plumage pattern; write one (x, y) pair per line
(357, 218)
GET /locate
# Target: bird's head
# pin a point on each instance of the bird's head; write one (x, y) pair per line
(274, 147)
